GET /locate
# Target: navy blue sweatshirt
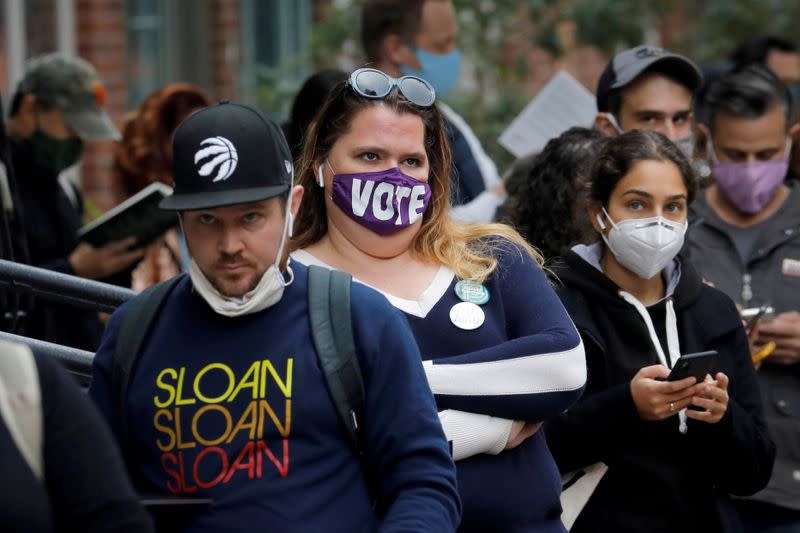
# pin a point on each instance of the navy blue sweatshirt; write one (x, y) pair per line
(237, 410)
(525, 362)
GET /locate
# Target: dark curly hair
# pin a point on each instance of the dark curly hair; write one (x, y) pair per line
(545, 191)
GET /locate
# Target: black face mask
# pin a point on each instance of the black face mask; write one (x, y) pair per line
(54, 154)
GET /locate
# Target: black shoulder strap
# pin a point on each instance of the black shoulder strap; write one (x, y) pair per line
(135, 326)
(332, 331)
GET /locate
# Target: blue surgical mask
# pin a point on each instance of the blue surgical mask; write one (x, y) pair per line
(440, 70)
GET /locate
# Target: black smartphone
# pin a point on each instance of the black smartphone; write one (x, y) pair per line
(694, 364)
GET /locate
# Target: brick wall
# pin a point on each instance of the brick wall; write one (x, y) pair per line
(101, 40)
(226, 48)
(101, 37)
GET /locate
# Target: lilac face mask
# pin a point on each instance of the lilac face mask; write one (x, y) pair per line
(751, 186)
(384, 202)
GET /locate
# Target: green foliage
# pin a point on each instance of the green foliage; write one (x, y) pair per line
(493, 34)
(275, 89)
(714, 28)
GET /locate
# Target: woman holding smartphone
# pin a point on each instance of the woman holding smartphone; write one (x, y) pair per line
(675, 450)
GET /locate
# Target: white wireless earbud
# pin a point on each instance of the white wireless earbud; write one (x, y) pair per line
(600, 221)
(321, 175)
(290, 231)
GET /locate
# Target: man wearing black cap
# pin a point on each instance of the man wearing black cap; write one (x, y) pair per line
(648, 87)
(227, 399)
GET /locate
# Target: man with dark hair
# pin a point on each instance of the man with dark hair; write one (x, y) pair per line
(745, 239)
(780, 55)
(648, 87)
(56, 107)
(235, 395)
(418, 37)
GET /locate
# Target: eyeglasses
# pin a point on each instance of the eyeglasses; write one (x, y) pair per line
(372, 83)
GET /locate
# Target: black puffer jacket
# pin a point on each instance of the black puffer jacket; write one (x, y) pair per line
(51, 222)
(659, 479)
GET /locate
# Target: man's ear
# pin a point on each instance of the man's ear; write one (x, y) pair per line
(297, 197)
(604, 126)
(703, 140)
(793, 131)
(394, 50)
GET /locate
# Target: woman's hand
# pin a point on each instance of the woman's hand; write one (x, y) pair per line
(658, 400)
(713, 397)
(520, 432)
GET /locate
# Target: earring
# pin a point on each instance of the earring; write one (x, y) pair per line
(321, 176)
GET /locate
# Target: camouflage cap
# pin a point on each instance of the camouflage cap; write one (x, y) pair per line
(70, 84)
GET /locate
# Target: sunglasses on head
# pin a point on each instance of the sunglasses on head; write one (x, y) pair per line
(372, 83)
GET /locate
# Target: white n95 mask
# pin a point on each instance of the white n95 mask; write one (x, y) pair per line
(645, 246)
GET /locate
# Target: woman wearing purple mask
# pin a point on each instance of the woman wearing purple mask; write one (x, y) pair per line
(501, 354)
(675, 449)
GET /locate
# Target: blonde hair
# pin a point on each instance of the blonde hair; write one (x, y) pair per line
(467, 249)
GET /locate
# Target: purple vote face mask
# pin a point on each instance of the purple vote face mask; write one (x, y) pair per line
(384, 202)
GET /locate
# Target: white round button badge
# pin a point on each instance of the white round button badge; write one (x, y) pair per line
(467, 315)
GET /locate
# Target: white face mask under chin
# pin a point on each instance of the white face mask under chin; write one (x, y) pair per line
(267, 293)
(645, 246)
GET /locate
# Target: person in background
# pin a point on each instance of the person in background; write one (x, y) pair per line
(647, 87)
(779, 55)
(55, 108)
(418, 37)
(499, 351)
(745, 240)
(782, 57)
(61, 468)
(144, 156)
(307, 104)
(546, 199)
(639, 308)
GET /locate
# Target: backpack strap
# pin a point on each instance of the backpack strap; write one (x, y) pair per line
(329, 297)
(21, 403)
(136, 324)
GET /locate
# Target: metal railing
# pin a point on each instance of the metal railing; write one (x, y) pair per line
(77, 362)
(63, 288)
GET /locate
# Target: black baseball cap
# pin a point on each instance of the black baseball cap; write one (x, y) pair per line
(628, 64)
(227, 154)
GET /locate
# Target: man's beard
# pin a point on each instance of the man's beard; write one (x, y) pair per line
(218, 284)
